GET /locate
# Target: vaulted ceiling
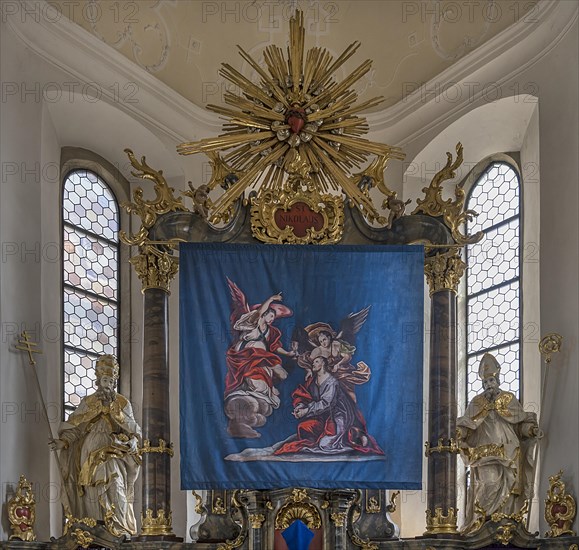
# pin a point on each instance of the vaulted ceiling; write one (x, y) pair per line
(184, 42)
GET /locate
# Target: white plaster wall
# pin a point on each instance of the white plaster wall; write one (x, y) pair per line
(33, 131)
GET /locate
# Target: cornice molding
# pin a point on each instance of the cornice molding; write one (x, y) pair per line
(499, 60)
(78, 53)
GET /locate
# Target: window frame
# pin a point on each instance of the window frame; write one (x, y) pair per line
(475, 176)
(78, 159)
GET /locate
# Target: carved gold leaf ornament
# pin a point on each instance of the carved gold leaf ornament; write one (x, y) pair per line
(155, 268)
(256, 520)
(21, 510)
(560, 508)
(444, 271)
(82, 538)
(149, 210)
(297, 107)
(505, 533)
(451, 211)
(364, 544)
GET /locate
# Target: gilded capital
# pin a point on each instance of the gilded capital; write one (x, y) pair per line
(155, 268)
(444, 271)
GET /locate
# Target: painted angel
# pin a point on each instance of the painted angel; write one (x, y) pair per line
(254, 364)
(320, 339)
(330, 420)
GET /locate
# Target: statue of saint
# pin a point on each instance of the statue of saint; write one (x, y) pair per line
(99, 454)
(497, 440)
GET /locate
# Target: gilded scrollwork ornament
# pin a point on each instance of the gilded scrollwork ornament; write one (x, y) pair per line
(22, 512)
(82, 538)
(444, 271)
(560, 508)
(297, 215)
(149, 210)
(451, 211)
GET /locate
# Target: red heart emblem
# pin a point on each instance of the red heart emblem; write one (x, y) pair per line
(24, 527)
(296, 119)
(22, 512)
(559, 509)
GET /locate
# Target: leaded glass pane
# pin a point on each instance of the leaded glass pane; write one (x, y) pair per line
(89, 204)
(492, 278)
(493, 317)
(495, 259)
(90, 324)
(508, 358)
(90, 299)
(495, 197)
(79, 376)
(90, 263)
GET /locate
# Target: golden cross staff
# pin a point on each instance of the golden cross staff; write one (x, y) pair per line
(25, 344)
(549, 344)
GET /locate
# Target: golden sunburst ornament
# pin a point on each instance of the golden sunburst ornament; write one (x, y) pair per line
(297, 129)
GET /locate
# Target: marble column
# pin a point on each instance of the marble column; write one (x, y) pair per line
(443, 272)
(156, 269)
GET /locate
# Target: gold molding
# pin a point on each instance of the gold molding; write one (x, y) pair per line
(441, 447)
(561, 519)
(451, 211)
(440, 523)
(444, 271)
(149, 210)
(22, 511)
(159, 525)
(161, 448)
(155, 268)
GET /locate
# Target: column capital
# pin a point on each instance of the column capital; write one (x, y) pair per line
(443, 271)
(155, 268)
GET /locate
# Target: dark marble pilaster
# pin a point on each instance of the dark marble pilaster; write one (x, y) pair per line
(443, 272)
(156, 419)
(156, 269)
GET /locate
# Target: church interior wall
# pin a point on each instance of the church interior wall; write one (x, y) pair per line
(33, 131)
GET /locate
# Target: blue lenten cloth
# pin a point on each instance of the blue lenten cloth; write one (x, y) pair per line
(297, 536)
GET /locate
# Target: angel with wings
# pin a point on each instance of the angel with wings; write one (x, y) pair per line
(320, 339)
(253, 363)
(330, 421)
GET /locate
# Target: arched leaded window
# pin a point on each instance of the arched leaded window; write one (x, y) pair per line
(90, 216)
(493, 277)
